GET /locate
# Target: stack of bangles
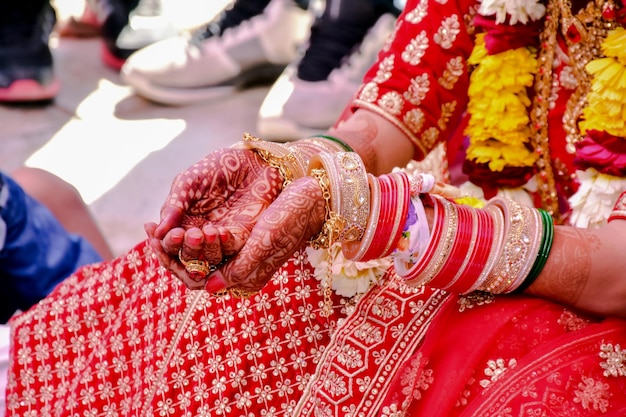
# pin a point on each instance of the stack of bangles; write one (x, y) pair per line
(500, 248)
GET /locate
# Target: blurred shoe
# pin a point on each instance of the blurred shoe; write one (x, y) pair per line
(146, 25)
(84, 26)
(26, 67)
(233, 52)
(129, 25)
(305, 100)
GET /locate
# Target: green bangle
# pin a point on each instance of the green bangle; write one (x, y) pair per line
(544, 251)
(343, 144)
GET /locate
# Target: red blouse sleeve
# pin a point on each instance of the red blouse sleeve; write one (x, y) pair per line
(420, 80)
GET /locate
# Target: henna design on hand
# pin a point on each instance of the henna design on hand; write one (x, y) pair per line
(228, 187)
(361, 140)
(295, 216)
(225, 193)
(566, 274)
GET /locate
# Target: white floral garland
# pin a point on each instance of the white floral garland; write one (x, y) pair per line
(349, 278)
(521, 11)
(593, 202)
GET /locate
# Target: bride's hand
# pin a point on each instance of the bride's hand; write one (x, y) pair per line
(289, 222)
(211, 210)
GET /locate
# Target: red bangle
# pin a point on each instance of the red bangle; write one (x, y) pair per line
(439, 247)
(483, 240)
(384, 227)
(459, 251)
(619, 209)
(403, 185)
(412, 275)
(460, 258)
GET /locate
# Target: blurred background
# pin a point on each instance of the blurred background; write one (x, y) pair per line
(119, 150)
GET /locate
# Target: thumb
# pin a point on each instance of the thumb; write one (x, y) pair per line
(171, 217)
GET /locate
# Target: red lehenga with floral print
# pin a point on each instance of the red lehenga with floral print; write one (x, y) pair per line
(125, 338)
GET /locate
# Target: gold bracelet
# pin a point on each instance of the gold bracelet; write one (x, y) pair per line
(349, 190)
(333, 222)
(517, 244)
(355, 250)
(289, 165)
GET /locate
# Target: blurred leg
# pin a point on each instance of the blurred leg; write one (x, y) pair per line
(312, 92)
(248, 44)
(64, 201)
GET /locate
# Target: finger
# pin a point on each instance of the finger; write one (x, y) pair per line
(215, 282)
(149, 228)
(173, 241)
(212, 246)
(193, 242)
(232, 239)
(171, 217)
(177, 269)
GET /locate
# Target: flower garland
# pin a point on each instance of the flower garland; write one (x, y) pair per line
(349, 278)
(504, 69)
(504, 64)
(498, 103)
(517, 11)
(602, 152)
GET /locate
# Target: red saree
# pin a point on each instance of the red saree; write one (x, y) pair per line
(126, 339)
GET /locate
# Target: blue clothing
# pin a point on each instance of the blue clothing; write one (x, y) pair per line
(36, 252)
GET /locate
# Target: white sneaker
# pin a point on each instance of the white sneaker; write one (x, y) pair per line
(192, 68)
(295, 108)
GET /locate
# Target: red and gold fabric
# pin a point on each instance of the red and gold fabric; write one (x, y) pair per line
(127, 339)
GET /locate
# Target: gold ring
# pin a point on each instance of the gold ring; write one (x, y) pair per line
(196, 268)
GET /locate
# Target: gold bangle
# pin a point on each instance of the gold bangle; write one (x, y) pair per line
(532, 236)
(355, 194)
(355, 250)
(517, 244)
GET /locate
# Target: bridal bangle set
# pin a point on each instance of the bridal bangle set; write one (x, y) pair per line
(500, 248)
(290, 160)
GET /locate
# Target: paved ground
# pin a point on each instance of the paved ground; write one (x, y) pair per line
(120, 151)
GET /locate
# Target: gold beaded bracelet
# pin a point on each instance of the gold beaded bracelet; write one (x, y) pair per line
(349, 190)
(332, 227)
(334, 223)
(289, 164)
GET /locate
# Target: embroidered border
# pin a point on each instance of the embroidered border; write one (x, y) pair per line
(383, 332)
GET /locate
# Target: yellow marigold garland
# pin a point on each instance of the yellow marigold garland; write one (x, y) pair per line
(606, 111)
(498, 105)
(607, 99)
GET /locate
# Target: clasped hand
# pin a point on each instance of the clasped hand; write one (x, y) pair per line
(228, 210)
